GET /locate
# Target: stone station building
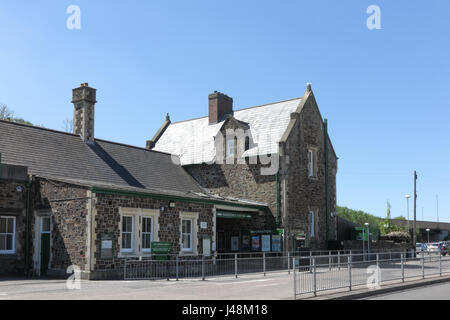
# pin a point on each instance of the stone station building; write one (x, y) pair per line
(70, 199)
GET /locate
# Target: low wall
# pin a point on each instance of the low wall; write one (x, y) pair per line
(376, 245)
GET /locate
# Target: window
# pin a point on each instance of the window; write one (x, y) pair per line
(311, 163)
(138, 229)
(247, 143)
(45, 225)
(313, 224)
(147, 233)
(7, 234)
(186, 235)
(127, 233)
(230, 147)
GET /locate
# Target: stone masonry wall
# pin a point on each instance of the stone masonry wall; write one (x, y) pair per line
(107, 221)
(69, 222)
(305, 193)
(13, 203)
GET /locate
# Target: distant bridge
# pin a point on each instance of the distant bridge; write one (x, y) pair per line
(438, 230)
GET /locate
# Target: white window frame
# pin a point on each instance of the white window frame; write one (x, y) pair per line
(138, 214)
(231, 145)
(133, 235)
(13, 234)
(42, 224)
(312, 232)
(190, 233)
(311, 165)
(147, 250)
(194, 216)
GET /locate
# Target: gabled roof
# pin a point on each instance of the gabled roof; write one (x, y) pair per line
(56, 154)
(193, 140)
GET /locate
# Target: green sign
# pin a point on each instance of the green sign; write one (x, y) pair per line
(360, 232)
(233, 215)
(162, 249)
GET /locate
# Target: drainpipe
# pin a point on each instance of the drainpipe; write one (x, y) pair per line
(27, 230)
(327, 187)
(278, 199)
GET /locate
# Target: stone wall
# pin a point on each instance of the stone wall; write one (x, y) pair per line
(304, 193)
(13, 204)
(68, 205)
(375, 245)
(107, 222)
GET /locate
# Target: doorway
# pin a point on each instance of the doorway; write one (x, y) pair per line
(45, 231)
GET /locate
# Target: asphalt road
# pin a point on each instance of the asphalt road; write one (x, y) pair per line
(433, 292)
(275, 286)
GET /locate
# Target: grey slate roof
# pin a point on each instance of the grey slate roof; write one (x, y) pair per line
(50, 153)
(193, 140)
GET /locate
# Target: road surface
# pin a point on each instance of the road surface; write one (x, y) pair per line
(433, 292)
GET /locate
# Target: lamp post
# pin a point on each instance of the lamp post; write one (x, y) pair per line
(407, 196)
(368, 240)
(428, 231)
(363, 249)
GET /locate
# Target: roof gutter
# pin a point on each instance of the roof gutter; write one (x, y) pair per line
(173, 198)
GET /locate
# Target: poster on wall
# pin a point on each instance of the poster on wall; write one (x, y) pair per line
(276, 243)
(245, 242)
(255, 243)
(265, 242)
(234, 243)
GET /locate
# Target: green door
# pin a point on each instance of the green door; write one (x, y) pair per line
(45, 244)
(45, 252)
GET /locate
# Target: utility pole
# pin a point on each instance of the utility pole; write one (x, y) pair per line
(415, 208)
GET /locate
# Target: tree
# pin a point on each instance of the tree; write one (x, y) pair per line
(8, 115)
(5, 113)
(67, 125)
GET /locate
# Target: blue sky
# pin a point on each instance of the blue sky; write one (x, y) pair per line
(384, 92)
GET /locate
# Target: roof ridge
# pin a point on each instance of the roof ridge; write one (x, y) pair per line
(37, 127)
(131, 146)
(258, 106)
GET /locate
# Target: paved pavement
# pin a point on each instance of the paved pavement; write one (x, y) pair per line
(274, 286)
(433, 292)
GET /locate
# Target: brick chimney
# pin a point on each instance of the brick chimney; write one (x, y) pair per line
(220, 105)
(83, 99)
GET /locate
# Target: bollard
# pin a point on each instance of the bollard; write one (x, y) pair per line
(339, 260)
(289, 264)
(295, 279)
(203, 267)
(264, 263)
(403, 266)
(329, 260)
(378, 261)
(314, 277)
(235, 265)
(350, 272)
(440, 265)
(423, 266)
(177, 268)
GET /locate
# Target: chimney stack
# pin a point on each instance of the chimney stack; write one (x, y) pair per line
(220, 105)
(83, 99)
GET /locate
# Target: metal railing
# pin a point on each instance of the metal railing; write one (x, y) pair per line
(179, 266)
(320, 273)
